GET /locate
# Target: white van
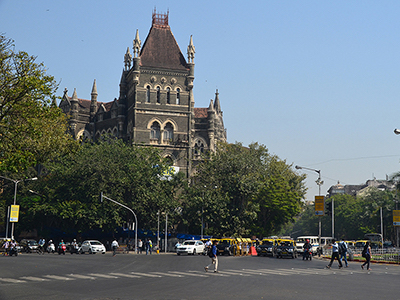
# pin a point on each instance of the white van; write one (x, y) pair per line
(301, 240)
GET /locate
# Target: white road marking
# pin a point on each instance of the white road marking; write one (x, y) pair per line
(124, 275)
(78, 276)
(10, 280)
(166, 274)
(34, 278)
(233, 273)
(103, 275)
(187, 273)
(145, 274)
(56, 277)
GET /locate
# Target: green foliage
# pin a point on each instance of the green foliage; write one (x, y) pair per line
(127, 174)
(354, 216)
(32, 130)
(241, 191)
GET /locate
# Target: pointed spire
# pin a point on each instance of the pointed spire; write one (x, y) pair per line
(211, 106)
(217, 105)
(136, 44)
(127, 59)
(94, 88)
(191, 50)
(75, 95)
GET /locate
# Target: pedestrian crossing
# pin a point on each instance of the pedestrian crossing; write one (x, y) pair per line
(194, 273)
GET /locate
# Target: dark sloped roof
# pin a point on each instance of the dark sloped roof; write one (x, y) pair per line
(84, 103)
(160, 50)
(200, 112)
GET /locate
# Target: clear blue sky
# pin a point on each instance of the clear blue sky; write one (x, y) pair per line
(317, 82)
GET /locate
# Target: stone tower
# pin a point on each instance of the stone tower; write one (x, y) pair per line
(155, 106)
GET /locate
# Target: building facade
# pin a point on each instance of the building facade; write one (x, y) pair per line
(155, 106)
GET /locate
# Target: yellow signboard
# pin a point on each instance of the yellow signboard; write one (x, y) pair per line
(14, 213)
(396, 217)
(319, 205)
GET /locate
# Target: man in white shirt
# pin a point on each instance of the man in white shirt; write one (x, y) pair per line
(114, 246)
(335, 254)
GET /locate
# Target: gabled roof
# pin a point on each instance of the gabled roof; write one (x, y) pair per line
(160, 50)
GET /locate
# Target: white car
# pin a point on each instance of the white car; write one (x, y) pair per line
(190, 247)
(92, 247)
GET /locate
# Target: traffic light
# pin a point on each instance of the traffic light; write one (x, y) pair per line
(329, 208)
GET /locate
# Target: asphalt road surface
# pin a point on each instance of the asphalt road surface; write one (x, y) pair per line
(168, 276)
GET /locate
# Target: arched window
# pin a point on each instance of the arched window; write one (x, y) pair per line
(178, 96)
(168, 95)
(168, 132)
(158, 94)
(199, 148)
(169, 160)
(148, 94)
(155, 131)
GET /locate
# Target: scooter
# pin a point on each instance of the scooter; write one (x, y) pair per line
(74, 249)
(51, 248)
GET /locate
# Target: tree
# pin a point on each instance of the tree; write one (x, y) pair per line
(244, 190)
(32, 128)
(125, 173)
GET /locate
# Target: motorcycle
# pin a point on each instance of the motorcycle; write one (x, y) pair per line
(13, 251)
(74, 249)
(61, 249)
(51, 248)
(307, 254)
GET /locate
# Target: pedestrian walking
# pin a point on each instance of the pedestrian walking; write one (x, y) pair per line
(114, 246)
(149, 246)
(140, 246)
(6, 247)
(335, 254)
(367, 255)
(214, 259)
(343, 252)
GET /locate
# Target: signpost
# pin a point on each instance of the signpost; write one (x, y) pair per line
(396, 217)
(319, 204)
(14, 213)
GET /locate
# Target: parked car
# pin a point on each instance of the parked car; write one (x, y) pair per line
(92, 247)
(267, 247)
(190, 247)
(286, 248)
(29, 246)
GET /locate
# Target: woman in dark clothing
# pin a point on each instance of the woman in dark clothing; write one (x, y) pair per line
(367, 251)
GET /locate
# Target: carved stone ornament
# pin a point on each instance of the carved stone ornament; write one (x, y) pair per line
(153, 79)
(173, 80)
(163, 80)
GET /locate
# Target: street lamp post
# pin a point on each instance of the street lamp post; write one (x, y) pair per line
(202, 211)
(136, 223)
(319, 182)
(15, 198)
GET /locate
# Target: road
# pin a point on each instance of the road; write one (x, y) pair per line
(168, 276)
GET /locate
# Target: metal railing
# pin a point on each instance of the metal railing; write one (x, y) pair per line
(379, 255)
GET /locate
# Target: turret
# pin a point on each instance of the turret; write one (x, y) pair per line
(190, 52)
(136, 59)
(93, 102)
(74, 111)
(211, 125)
(217, 105)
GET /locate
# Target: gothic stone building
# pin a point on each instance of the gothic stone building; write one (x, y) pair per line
(155, 106)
